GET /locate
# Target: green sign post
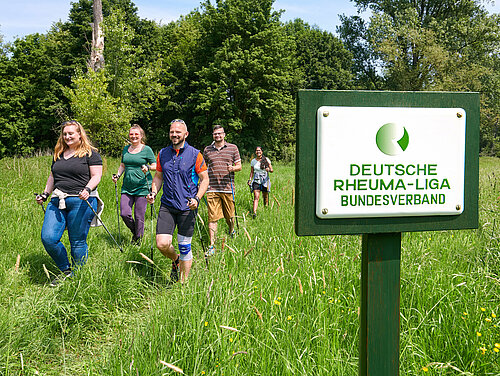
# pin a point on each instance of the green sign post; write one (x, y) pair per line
(379, 164)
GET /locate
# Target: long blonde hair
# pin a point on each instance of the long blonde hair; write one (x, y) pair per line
(85, 147)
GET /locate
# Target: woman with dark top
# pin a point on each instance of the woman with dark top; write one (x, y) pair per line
(137, 160)
(75, 173)
(259, 181)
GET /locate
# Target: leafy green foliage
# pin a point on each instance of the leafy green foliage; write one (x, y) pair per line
(108, 100)
(106, 119)
(247, 84)
(430, 45)
(235, 63)
(322, 58)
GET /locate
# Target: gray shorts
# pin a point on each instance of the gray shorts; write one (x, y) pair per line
(168, 218)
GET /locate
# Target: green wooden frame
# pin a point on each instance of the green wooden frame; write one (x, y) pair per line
(308, 102)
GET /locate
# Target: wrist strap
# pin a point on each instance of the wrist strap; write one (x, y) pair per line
(88, 190)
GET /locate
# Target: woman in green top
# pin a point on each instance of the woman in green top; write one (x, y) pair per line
(137, 160)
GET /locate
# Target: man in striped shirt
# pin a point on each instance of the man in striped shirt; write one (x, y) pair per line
(222, 159)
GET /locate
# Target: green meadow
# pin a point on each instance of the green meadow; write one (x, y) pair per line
(269, 303)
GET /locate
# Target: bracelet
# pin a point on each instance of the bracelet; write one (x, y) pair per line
(44, 195)
(197, 199)
(88, 190)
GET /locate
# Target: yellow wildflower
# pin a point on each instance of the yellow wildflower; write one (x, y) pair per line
(495, 349)
(483, 350)
(425, 369)
(277, 302)
(478, 334)
(230, 340)
(206, 323)
(483, 309)
(465, 313)
(289, 318)
(487, 319)
(493, 314)
(497, 345)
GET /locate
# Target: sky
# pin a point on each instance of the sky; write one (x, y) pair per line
(21, 17)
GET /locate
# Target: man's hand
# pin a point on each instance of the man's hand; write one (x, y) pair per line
(193, 203)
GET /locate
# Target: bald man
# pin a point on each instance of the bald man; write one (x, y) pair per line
(182, 171)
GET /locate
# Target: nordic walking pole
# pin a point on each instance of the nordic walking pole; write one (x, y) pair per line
(249, 183)
(103, 225)
(152, 231)
(201, 238)
(234, 203)
(152, 237)
(117, 209)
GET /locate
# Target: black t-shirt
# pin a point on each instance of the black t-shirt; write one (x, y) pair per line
(72, 175)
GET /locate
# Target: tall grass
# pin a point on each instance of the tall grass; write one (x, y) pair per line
(269, 303)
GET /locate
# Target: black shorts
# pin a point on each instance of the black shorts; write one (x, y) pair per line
(168, 218)
(258, 187)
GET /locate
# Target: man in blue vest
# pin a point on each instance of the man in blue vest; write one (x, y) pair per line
(182, 171)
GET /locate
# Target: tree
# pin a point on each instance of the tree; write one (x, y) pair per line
(31, 75)
(247, 78)
(107, 100)
(429, 45)
(321, 57)
(97, 53)
(106, 119)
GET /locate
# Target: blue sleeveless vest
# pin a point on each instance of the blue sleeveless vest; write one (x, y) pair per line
(180, 180)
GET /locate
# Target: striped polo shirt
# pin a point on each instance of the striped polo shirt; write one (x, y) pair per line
(217, 161)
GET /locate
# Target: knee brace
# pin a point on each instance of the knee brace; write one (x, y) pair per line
(184, 247)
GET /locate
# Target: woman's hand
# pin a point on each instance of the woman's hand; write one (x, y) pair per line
(40, 199)
(151, 197)
(84, 193)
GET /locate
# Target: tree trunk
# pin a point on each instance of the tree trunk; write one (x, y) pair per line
(97, 53)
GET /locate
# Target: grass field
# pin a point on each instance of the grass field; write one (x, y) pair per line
(270, 303)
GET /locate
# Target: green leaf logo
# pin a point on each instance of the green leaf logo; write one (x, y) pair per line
(392, 139)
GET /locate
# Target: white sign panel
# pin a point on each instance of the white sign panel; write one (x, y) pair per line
(390, 161)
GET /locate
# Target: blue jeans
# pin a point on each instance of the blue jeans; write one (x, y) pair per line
(76, 218)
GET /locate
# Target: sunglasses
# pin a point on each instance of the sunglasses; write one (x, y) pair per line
(177, 121)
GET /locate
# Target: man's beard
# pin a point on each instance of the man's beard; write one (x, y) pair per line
(178, 142)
